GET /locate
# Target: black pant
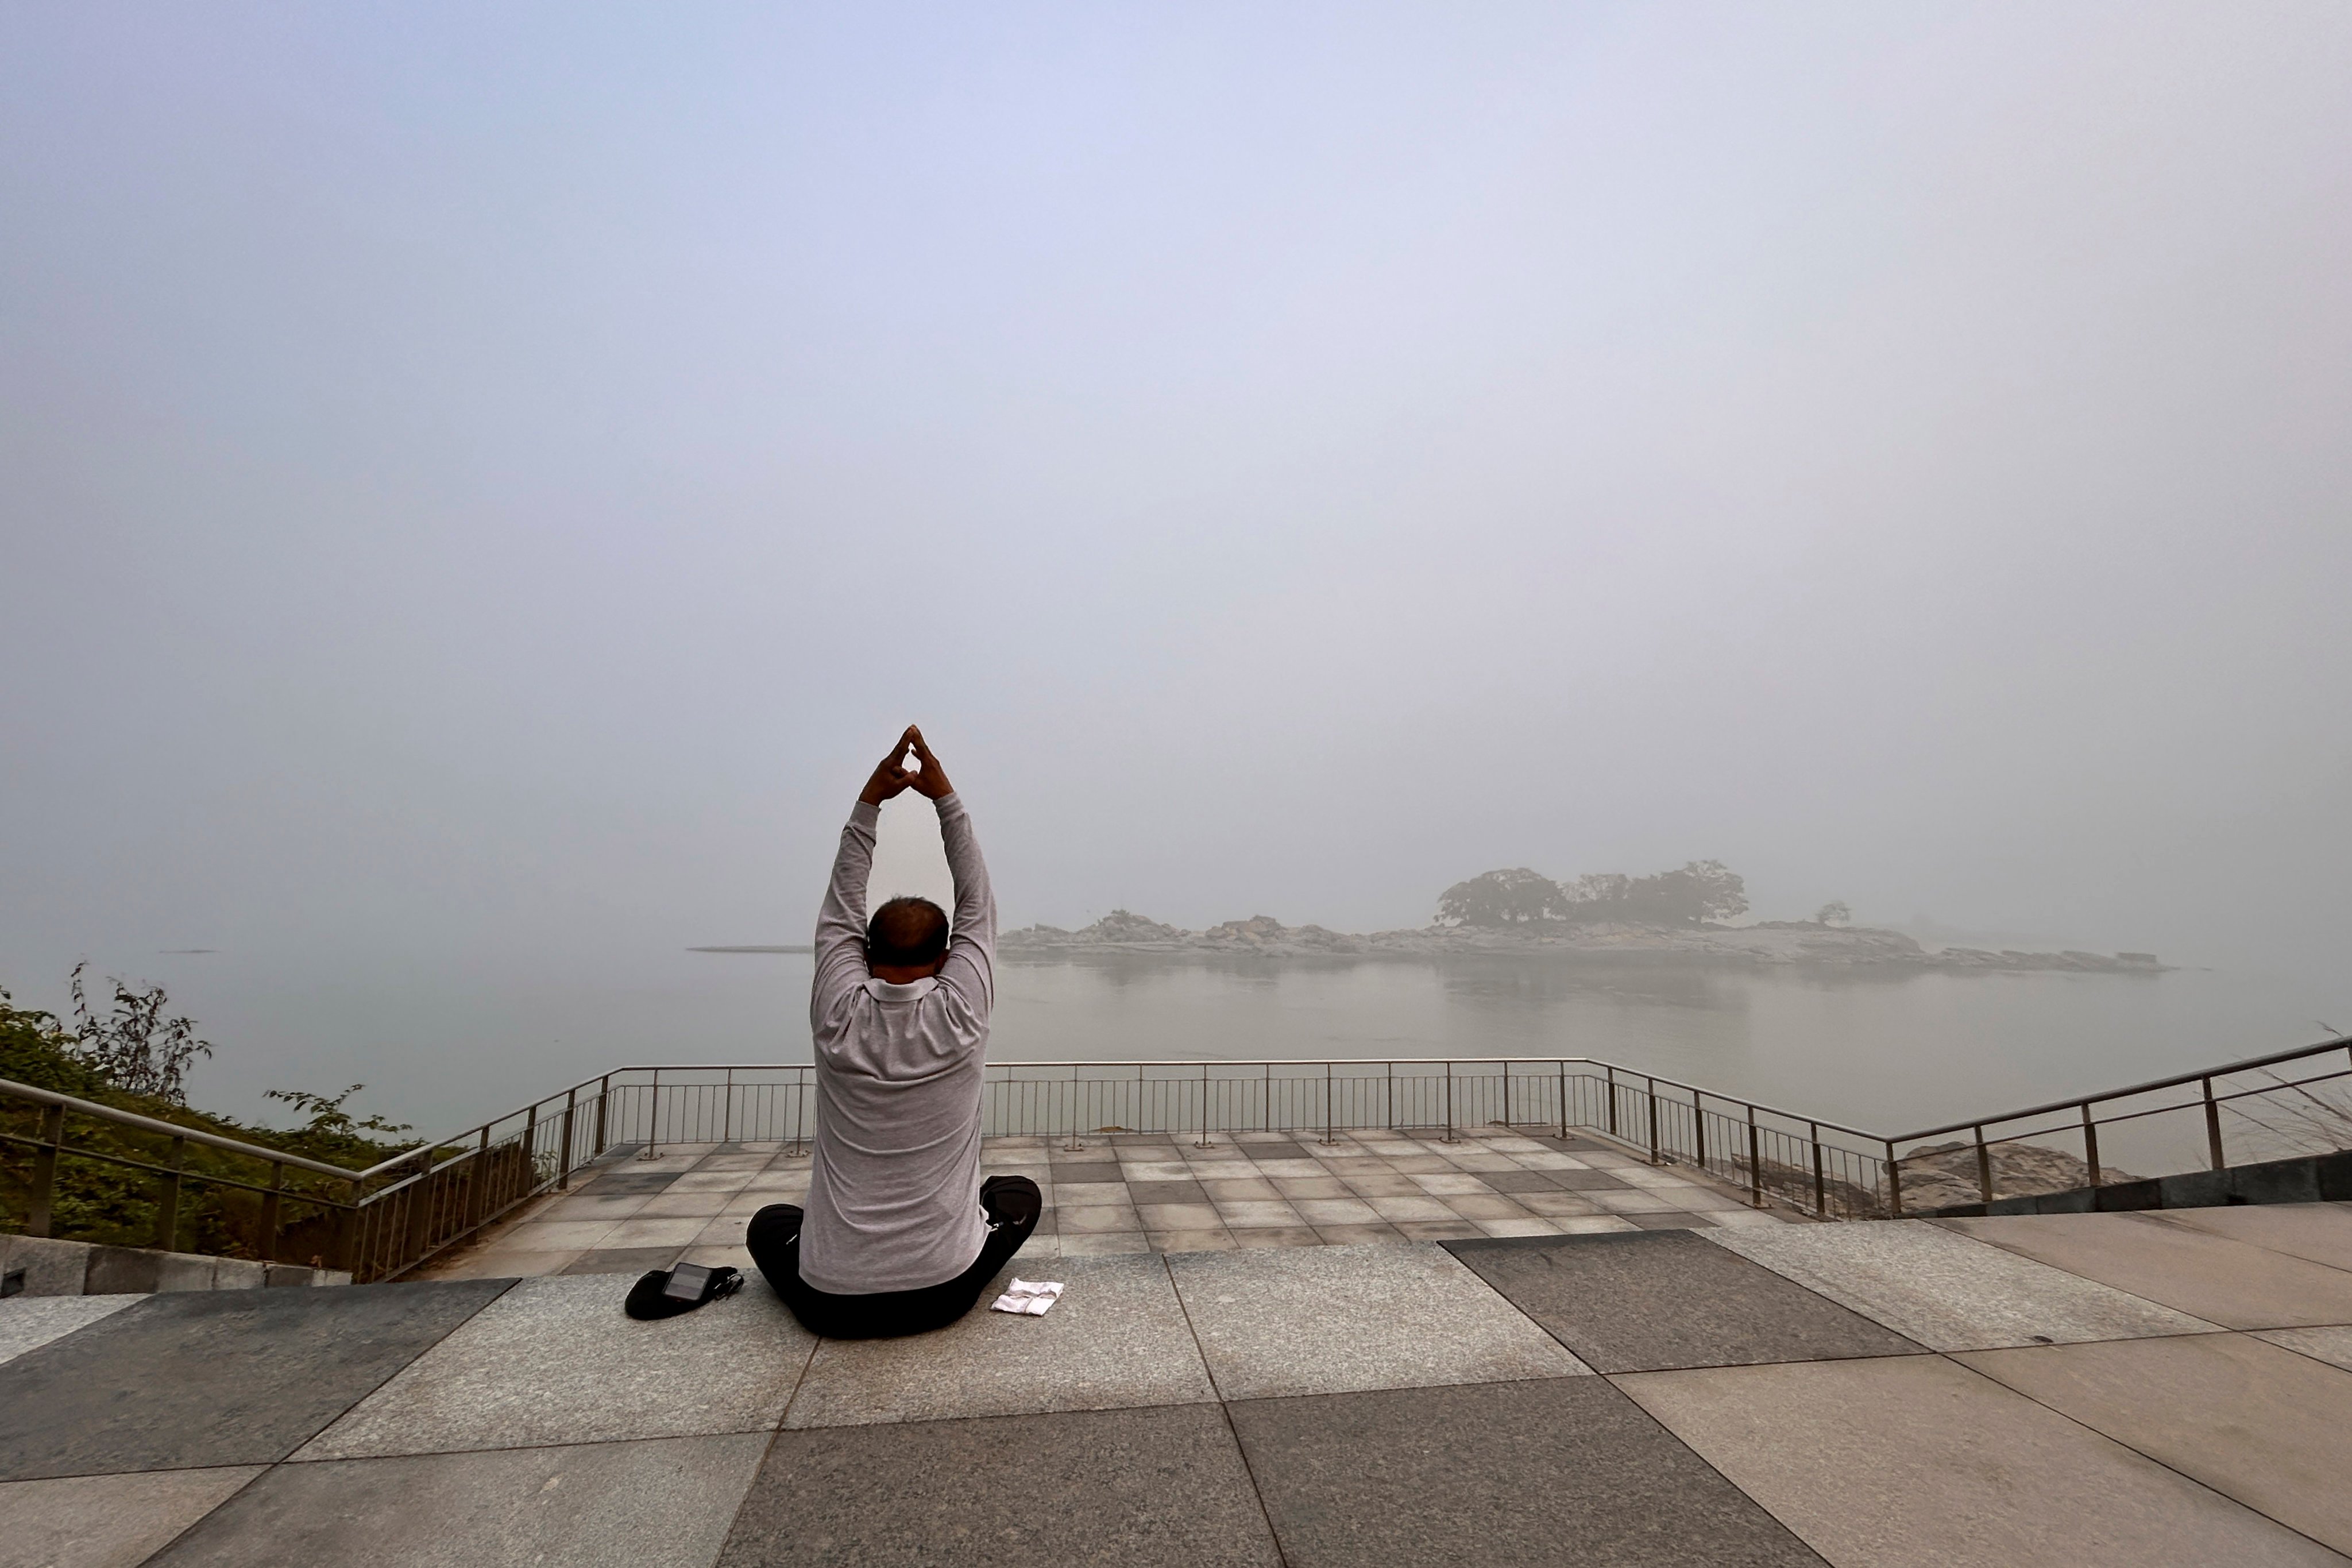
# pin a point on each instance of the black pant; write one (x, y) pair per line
(773, 1236)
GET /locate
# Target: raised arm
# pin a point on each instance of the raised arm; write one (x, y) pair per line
(841, 919)
(970, 967)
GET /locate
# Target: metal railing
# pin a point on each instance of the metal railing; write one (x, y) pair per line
(381, 1222)
(2289, 1102)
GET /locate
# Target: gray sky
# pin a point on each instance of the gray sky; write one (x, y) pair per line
(492, 483)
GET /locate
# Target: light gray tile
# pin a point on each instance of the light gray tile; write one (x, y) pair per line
(2333, 1346)
(653, 1232)
(705, 1181)
(28, 1322)
(601, 1505)
(555, 1360)
(2321, 1233)
(1116, 1337)
(1491, 1206)
(614, 1206)
(1096, 1219)
(1079, 1194)
(1458, 1184)
(1947, 1291)
(2223, 1281)
(1510, 1228)
(1555, 1205)
(1257, 1216)
(1329, 1320)
(1309, 1187)
(1912, 1459)
(1321, 1212)
(1593, 1225)
(683, 1205)
(1240, 1190)
(2263, 1425)
(1640, 1200)
(1193, 1240)
(107, 1521)
(1411, 1208)
(1103, 1244)
(1273, 1236)
(500, 1263)
(556, 1236)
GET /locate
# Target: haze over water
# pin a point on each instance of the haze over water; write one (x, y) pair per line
(478, 490)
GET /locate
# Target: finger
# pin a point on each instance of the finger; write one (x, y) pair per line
(921, 749)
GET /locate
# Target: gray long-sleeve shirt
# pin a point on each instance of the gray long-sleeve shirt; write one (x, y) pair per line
(893, 1188)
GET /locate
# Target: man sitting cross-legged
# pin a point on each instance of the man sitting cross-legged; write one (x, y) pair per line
(900, 1234)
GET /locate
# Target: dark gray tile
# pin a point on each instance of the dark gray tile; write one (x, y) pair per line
(1154, 1488)
(637, 1182)
(1142, 1140)
(1519, 1180)
(1090, 1171)
(1644, 1300)
(599, 1505)
(623, 1260)
(1587, 1182)
(1167, 1193)
(216, 1377)
(1553, 1471)
(1672, 1219)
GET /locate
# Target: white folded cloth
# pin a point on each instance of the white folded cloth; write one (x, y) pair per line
(1030, 1297)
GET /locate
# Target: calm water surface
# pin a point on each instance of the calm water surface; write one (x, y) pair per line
(443, 1043)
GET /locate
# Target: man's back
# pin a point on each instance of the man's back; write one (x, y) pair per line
(894, 1187)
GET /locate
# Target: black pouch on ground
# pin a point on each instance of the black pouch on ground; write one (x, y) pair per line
(666, 1292)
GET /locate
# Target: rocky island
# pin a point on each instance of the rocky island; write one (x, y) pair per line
(1684, 913)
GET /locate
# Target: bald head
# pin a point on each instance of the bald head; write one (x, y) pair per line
(907, 934)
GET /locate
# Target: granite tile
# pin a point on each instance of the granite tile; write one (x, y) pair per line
(1946, 1292)
(201, 1380)
(1274, 1235)
(1197, 1240)
(1117, 1338)
(1914, 1460)
(2253, 1421)
(2318, 1232)
(1554, 1473)
(107, 1521)
(1650, 1301)
(555, 1360)
(2331, 1345)
(2192, 1271)
(621, 1260)
(1166, 1193)
(28, 1322)
(1099, 1244)
(1327, 1320)
(600, 1505)
(1160, 1486)
(1246, 1190)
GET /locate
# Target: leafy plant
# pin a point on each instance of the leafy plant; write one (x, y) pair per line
(135, 1048)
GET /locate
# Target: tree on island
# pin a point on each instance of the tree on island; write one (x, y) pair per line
(1701, 890)
(1833, 913)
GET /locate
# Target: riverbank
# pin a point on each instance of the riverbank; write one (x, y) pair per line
(1765, 942)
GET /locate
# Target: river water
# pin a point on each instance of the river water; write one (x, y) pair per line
(444, 1041)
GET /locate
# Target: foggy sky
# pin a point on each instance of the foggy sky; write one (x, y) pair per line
(484, 483)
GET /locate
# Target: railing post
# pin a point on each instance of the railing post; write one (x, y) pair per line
(45, 1171)
(604, 1099)
(268, 1236)
(1563, 1101)
(1506, 1096)
(1610, 1077)
(1074, 1143)
(1204, 1143)
(2090, 1143)
(1894, 1178)
(476, 1193)
(727, 1116)
(1331, 1133)
(167, 1212)
(340, 1250)
(1698, 1126)
(1269, 1127)
(2213, 1127)
(1392, 1097)
(652, 1124)
(1449, 1099)
(1755, 1163)
(563, 1157)
(1820, 1183)
(1984, 1165)
(1649, 1087)
(531, 1152)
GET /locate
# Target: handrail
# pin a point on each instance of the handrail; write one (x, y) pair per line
(172, 1129)
(2341, 1042)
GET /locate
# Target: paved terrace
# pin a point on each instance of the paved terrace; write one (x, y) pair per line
(1127, 1192)
(2121, 1389)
